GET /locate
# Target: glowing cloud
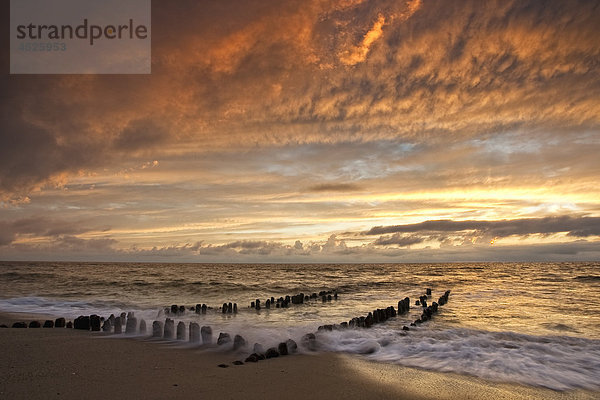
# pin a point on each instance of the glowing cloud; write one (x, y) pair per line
(359, 53)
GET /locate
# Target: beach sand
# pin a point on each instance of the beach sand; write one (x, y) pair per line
(65, 363)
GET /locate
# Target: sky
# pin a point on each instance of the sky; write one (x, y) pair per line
(316, 131)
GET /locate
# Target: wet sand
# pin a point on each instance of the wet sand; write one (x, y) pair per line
(65, 363)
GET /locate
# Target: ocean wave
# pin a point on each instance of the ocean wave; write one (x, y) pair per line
(25, 276)
(60, 307)
(555, 362)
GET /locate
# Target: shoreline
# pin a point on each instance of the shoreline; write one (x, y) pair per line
(56, 362)
(8, 318)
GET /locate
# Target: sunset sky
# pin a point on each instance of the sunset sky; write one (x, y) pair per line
(316, 131)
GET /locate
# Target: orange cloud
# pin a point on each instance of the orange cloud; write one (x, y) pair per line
(359, 53)
(237, 79)
(412, 7)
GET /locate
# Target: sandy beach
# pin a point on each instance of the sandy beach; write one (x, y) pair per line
(66, 363)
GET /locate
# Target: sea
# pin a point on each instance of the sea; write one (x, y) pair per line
(530, 323)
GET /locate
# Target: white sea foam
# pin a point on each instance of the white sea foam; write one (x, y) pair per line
(555, 362)
(63, 308)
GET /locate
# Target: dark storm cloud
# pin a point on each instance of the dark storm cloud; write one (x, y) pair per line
(40, 226)
(400, 240)
(578, 250)
(75, 244)
(140, 135)
(574, 226)
(246, 244)
(6, 236)
(30, 155)
(34, 154)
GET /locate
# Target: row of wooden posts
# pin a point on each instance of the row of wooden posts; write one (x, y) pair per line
(196, 334)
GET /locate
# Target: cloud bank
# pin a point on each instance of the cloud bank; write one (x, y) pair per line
(573, 226)
(415, 70)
